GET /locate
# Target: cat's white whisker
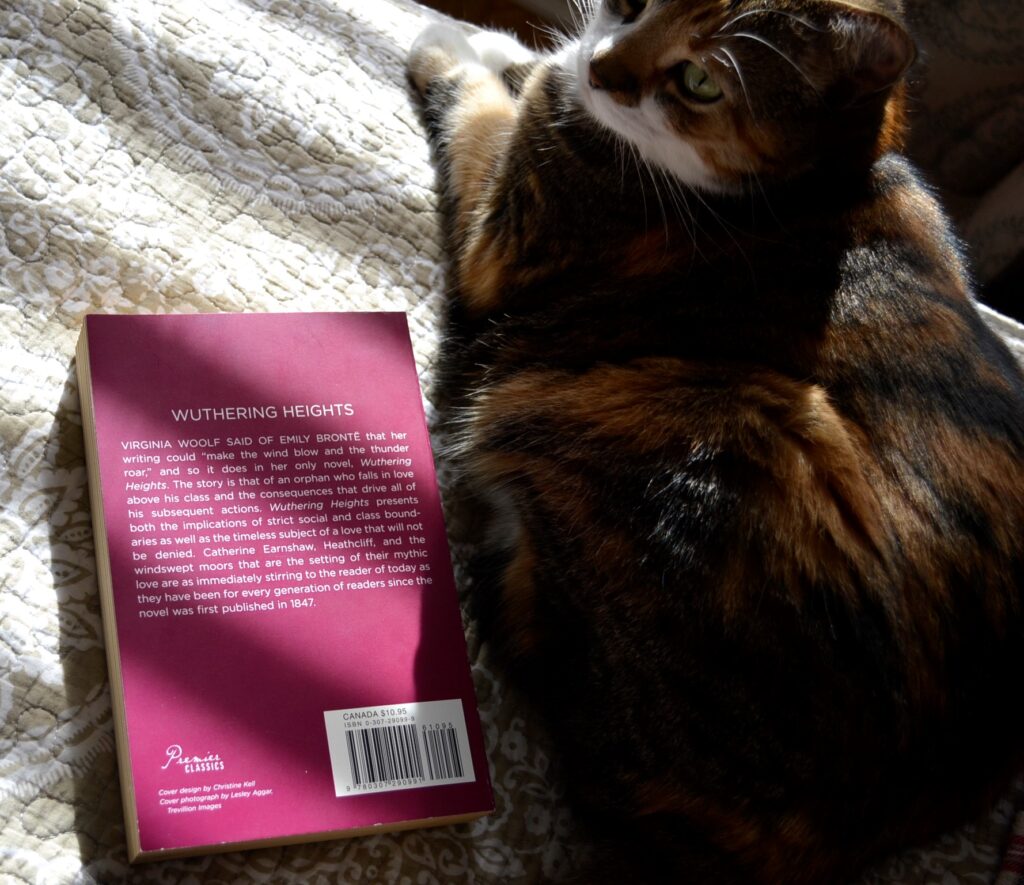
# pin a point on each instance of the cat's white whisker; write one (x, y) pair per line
(558, 38)
(635, 154)
(580, 15)
(686, 214)
(732, 61)
(797, 18)
(620, 155)
(782, 54)
(657, 193)
(752, 172)
(726, 225)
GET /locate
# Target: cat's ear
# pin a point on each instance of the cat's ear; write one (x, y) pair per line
(871, 52)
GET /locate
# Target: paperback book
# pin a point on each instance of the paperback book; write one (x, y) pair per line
(286, 653)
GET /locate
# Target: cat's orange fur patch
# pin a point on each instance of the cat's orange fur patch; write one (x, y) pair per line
(518, 600)
(831, 523)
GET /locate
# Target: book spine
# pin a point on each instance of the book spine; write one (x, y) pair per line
(104, 580)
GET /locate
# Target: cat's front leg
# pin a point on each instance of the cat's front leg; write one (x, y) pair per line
(471, 117)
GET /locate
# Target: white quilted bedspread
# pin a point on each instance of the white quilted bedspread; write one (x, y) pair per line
(223, 155)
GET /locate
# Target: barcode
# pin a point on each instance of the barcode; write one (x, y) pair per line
(385, 754)
(443, 758)
(398, 747)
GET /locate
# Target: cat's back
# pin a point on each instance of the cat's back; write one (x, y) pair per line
(908, 363)
(813, 522)
(846, 342)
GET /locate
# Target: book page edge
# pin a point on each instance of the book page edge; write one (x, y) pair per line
(304, 838)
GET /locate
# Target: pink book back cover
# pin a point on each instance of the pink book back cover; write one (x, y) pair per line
(291, 649)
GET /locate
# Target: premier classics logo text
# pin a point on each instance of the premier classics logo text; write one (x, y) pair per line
(192, 764)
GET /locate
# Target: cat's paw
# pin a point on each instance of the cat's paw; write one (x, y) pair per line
(499, 52)
(437, 52)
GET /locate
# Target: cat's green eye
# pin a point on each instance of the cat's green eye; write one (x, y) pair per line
(697, 83)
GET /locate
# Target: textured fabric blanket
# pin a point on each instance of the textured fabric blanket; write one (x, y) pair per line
(229, 155)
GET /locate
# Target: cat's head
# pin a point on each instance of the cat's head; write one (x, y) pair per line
(720, 91)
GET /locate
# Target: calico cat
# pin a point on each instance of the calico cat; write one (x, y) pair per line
(763, 461)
